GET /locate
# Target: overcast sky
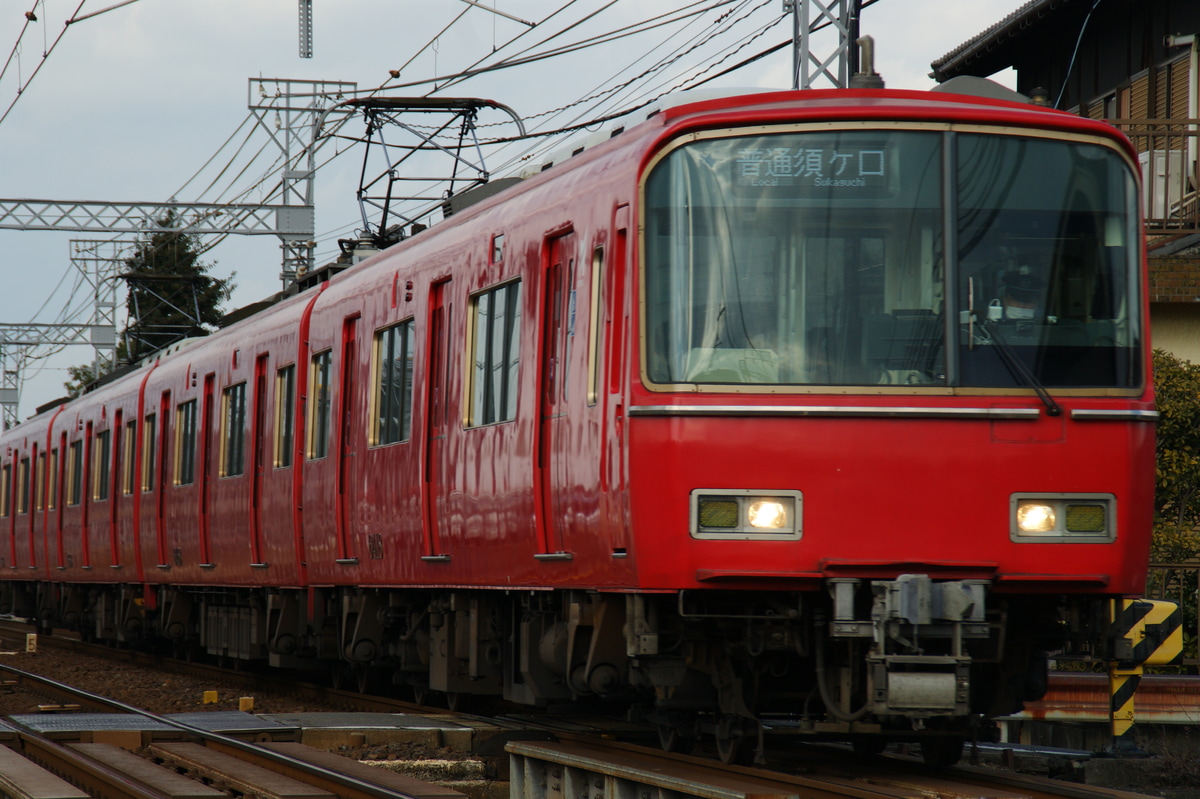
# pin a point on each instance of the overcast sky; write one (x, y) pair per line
(130, 104)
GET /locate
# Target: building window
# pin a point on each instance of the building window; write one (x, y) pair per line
(103, 451)
(149, 439)
(495, 355)
(285, 415)
(75, 473)
(185, 443)
(233, 430)
(393, 369)
(23, 486)
(320, 397)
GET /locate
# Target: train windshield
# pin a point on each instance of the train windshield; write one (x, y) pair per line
(864, 257)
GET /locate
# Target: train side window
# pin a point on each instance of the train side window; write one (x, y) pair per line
(185, 443)
(320, 396)
(75, 473)
(392, 366)
(52, 481)
(128, 450)
(495, 338)
(5, 488)
(595, 326)
(102, 452)
(149, 439)
(285, 415)
(23, 486)
(39, 483)
(233, 430)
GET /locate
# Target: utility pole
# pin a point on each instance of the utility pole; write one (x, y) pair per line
(306, 49)
(835, 63)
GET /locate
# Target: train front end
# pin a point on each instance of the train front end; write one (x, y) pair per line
(892, 440)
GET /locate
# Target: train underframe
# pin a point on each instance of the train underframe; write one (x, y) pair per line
(871, 661)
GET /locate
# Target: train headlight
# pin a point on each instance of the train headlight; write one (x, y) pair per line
(742, 514)
(1075, 518)
(1035, 517)
(767, 514)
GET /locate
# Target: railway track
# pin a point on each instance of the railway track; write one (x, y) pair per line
(573, 765)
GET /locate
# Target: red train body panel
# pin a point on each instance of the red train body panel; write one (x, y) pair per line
(524, 452)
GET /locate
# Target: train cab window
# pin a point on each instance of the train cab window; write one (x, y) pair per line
(39, 483)
(233, 430)
(185, 443)
(23, 486)
(320, 395)
(128, 462)
(102, 451)
(285, 415)
(5, 490)
(75, 473)
(392, 367)
(149, 439)
(495, 335)
(815, 257)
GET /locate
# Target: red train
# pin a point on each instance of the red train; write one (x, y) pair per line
(830, 407)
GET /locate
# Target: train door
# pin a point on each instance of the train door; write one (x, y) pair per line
(554, 425)
(160, 500)
(345, 442)
(257, 459)
(206, 456)
(115, 487)
(437, 370)
(617, 324)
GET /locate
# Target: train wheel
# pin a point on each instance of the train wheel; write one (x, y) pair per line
(677, 735)
(942, 751)
(868, 747)
(457, 702)
(734, 741)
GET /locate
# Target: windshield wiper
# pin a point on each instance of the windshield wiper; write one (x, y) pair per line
(1016, 366)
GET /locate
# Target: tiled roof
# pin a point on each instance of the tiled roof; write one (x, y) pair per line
(955, 61)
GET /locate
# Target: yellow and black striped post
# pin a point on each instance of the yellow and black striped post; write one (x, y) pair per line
(1144, 632)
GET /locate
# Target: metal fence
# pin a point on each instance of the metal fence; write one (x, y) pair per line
(1167, 150)
(1180, 583)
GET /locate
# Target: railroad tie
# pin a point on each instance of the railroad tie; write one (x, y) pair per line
(24, 779)
(401, 783)
(143, 771)
(227, 770)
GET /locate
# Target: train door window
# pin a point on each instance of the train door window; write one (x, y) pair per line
(185, 443)
(52, 481)
(321, 402)
(129, 464)
(23, 486)
(285, 415)
(594, 325)
(39, 483)
(392, 365)
(75, 473)
(5, 488)
(102, 452)
(495, 340)
(233, 430)
(149, 436)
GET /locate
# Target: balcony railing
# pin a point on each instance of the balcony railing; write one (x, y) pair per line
(1167, 150)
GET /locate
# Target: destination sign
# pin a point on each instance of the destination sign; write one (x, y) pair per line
(813, 170)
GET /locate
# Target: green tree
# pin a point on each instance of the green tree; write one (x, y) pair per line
(172, 295)
(1177, 471)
